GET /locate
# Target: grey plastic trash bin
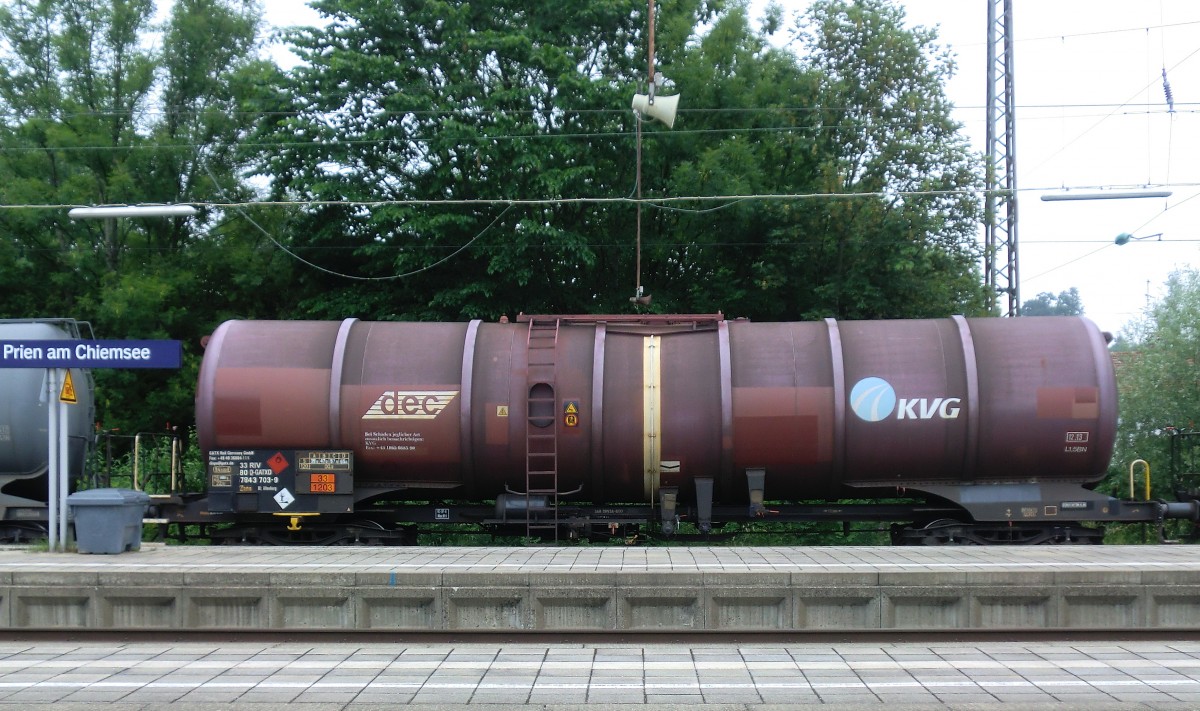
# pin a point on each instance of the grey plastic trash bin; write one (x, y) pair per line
(108, 520)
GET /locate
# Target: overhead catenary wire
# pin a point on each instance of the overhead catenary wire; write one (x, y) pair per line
(587, 135)
(1108, 244)
(662, 201)
(1095, 125)
(507, 113)
(533, 111)
(1169, 111)
(655, 244)
(331, 272)
(511, 112)
(1093, 33)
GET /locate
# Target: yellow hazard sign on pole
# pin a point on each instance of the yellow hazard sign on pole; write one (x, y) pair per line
(67, 394)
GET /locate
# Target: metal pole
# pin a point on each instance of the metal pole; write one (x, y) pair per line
(637, 291)
(52, 457)
(650, 52)
(137, 451)
(174, 464)
(64, 465)
(1000, 189)
(1010, 156)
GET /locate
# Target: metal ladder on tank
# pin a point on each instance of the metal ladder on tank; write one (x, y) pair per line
(541, 428)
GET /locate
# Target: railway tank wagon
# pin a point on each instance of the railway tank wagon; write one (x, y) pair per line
(24, 439)
(996, 427)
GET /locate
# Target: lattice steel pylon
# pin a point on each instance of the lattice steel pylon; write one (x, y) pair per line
(1000, 190)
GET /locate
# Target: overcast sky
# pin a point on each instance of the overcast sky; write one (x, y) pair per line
(1091, 115)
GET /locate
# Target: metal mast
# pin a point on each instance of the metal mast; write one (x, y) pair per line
(1000, 207)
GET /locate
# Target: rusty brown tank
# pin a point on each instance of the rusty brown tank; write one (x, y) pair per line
(621, 406)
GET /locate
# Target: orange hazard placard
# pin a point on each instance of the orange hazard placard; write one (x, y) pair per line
(278, 463)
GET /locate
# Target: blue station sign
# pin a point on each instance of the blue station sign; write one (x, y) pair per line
(90, 354)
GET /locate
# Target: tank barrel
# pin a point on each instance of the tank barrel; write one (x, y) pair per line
(621, 410)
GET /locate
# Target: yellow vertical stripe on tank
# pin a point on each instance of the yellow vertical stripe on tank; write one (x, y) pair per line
(651, 413)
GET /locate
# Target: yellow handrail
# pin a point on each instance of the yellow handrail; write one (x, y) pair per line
(1147, 467)
(137, 453)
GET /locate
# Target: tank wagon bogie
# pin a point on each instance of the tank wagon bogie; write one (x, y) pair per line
(995, 428)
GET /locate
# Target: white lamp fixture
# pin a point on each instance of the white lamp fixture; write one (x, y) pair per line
(106, 211)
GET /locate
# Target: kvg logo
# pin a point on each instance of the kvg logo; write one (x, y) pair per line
(874, 399)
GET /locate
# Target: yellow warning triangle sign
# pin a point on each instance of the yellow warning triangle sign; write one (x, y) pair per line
(572, 409)
(67, 394)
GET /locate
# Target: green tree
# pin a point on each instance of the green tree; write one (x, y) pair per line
(439, 113)
(859, 122)
(71, 85)
(92, 114)
(400, 149)
(750, 135)
(907, 247)
(1159, 387)
(1067, 303)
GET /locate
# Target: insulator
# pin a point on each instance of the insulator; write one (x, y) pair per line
(1167, 92)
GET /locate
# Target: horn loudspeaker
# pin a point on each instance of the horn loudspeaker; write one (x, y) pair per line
(663, 108)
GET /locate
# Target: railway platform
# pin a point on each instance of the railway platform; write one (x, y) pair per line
(565, 676)
(604, 589)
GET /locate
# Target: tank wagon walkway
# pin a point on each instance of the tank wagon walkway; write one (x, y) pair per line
(609, 589)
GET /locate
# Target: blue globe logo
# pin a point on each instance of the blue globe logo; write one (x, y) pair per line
(872, 399)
